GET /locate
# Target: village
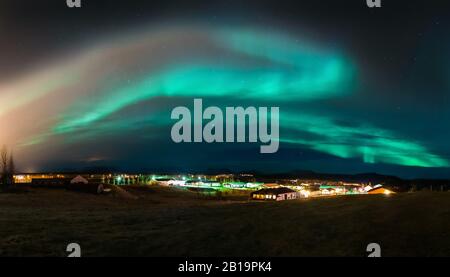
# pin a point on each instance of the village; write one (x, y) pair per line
(275, 190)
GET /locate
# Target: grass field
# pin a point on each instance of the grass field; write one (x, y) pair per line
(167, 222)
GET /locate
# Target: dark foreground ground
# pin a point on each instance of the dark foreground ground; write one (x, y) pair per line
(163, 222)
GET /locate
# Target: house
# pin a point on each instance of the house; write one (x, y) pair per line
(235, 185)
(275, 194)
(82, 184)
(179, 183)
(380, 190)
(254, 185)
(164, 181)
(368, 188)
(271, 185)
(79, 179)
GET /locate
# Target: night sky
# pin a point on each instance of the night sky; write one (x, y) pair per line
(359, 89)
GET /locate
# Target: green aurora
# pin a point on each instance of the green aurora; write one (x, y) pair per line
(278, 70)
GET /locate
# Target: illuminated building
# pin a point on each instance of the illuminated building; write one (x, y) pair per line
(380, 190)
(275, 194)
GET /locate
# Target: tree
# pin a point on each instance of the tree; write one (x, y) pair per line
(11, 169)
(4, 165)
